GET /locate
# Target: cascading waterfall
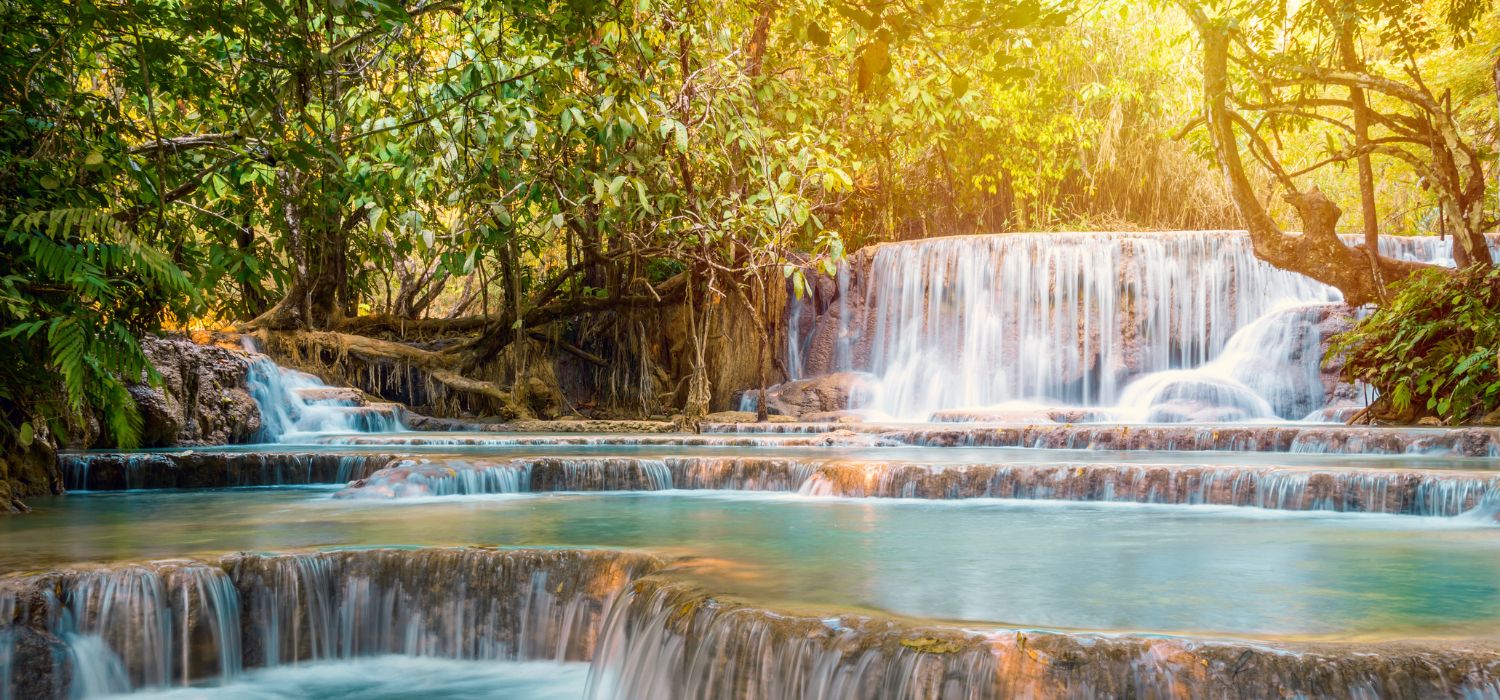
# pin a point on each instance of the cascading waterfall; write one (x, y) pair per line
(1075, 318)
(454, 476)
(644, 633)
(293, 404)
(1431, 493)
(94, 471)
(666, 641)
(8, 605)
(142, 626)
(1269, 369)
(176, 623)
(1422, 493)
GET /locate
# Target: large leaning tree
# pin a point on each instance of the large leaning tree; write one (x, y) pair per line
(1350, 68)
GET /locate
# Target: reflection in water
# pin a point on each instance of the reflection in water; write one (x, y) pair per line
(1069, 565)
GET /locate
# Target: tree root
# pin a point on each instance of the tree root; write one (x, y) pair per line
(423, 379)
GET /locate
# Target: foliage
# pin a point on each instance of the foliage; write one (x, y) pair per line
(1300, 74)
(1432, 351)
(85, 271)
(538, 162)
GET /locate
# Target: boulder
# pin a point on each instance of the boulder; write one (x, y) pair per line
(27, 471)
(201, 399)
(333, 396)
(828, 393)
(833, 417)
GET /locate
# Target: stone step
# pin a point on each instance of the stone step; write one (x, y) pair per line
(1271, 437)
(331, 396)
(196, 469)
(646, 628)
(1423, 492)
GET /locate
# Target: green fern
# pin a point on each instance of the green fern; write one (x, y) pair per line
(90, 279)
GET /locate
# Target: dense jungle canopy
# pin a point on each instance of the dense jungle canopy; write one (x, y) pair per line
(458, 185)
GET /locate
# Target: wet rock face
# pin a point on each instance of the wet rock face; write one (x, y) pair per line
(26, 472)
(1090, 666)
(202, 398)
(36, 668)
(92, 471)
(1341, 400)
(668, 640)
(835, 303)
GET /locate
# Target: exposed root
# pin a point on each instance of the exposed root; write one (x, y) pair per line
(426, 380)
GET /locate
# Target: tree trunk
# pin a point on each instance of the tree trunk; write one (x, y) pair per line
(318, 242)
(755, 49)
(1317, 252)
(1361, 142)
(762, 408)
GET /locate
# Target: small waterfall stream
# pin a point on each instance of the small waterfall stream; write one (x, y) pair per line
(295, 404)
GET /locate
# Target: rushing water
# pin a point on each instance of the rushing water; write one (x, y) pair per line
(397, 678)
(295, 405)
(1076, 319)
(1071, 565)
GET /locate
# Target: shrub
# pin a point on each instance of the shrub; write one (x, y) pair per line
(1432, 350)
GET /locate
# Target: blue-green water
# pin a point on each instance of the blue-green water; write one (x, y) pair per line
(1169, 569)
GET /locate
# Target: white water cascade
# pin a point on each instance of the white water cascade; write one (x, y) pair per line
(1153, 327)
(294, 404)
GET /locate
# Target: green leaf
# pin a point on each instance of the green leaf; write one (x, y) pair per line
(28, 434)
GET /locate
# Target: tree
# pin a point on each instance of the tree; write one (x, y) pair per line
(1269, 72)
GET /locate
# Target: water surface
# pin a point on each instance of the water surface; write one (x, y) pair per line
(1128, 567)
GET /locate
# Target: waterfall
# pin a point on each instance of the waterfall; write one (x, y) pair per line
(1404, 492)
(670, 642)
(1074, 319)
(179, 622)
(114, 471)
(644, 634)
(293, 404)
(1269, 369)
(8, 605)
